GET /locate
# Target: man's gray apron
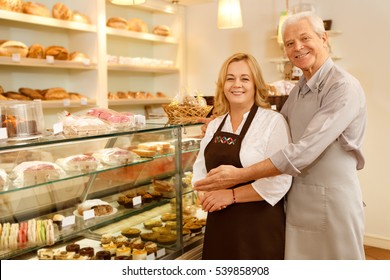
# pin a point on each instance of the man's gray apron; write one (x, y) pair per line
(325, 218)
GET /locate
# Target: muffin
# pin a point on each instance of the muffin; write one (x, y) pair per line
(146, 198)
(156, 195)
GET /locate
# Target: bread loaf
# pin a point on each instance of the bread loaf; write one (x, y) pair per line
(36, 51)
(16, 95)
(77, 56)
(61, 11)
(79, 17)
(12, 5)
(58, 52)
(117, 22)
(161, 30)
(137, 25)
(8, 48)
(56, 94)
(31, 93)
(37, 9)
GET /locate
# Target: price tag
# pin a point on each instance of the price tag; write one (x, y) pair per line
(67, 102)
(273, 107)
(151, 257)
(68, 221)
(83, 101)
(50, 59)
(137, 201)
(58, 128)
(16, 57)
(86, 61)
(160, 253)
(88, 214)
(3, 133)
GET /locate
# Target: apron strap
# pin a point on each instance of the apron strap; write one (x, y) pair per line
(249, 120)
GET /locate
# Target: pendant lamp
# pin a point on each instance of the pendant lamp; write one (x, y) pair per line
(229, 14)
(127, 2)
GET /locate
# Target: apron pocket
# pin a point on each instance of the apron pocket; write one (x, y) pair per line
(306, 207)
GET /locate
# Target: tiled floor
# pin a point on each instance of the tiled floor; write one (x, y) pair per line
(373, 253)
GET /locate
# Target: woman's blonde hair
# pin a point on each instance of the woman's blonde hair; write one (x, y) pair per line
(221, 104)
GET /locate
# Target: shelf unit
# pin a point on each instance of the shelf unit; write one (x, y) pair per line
(96, 77)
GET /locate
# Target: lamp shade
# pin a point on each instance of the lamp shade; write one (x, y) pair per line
(229, 14)
(127, 2)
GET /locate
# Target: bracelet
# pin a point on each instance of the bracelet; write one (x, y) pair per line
(234, 197)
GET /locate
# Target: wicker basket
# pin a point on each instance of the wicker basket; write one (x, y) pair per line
(185, 114)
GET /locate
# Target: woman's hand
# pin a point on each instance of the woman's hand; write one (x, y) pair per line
(215, 200)
(222, 177)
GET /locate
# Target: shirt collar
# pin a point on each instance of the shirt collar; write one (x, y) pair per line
(315, 83)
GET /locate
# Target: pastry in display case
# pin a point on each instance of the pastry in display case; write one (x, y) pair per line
(22, 119)
(73, 206)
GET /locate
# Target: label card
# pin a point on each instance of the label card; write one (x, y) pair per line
(68, 221)
(137, 201)
(88, 214)
(50, 59)
(3, 133)
(160, 253)
(16, 57)
(58, 128)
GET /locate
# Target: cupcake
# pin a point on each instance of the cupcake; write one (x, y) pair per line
(123, 251)
(139, 254)
(111, 247)
(150, 247)
(137, 243)
(106, 238)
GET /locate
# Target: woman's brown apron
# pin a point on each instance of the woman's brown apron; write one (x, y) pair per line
(253, 230)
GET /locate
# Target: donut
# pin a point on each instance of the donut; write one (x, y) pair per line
(87, 251)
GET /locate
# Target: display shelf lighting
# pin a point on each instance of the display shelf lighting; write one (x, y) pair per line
(229, 14)
(127, 2)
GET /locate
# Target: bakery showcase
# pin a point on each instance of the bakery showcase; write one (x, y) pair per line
(82, 174)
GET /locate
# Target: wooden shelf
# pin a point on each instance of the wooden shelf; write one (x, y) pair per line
(142, 68)
(141, 36)
(136, 102)
(33, 62)
(46, 21)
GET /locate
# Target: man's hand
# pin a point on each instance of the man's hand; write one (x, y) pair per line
(222, 177)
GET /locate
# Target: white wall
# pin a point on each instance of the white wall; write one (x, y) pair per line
(363, 46)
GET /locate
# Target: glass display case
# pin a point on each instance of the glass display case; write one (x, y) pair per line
(93, 190)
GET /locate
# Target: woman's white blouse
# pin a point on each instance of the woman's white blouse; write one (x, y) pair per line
(267, 134)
